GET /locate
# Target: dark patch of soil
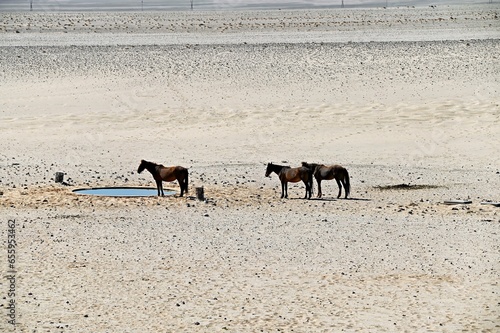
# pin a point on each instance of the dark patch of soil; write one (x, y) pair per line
(406, 187)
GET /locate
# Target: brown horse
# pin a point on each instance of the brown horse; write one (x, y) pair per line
(161, 173)
(328, 172)
(293, 175)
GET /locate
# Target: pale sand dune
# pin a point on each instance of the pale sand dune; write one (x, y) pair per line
(402, 109)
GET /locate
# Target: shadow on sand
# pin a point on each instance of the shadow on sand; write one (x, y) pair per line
(332, 199)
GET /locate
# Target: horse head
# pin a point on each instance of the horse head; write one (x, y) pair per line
(310, 166)
(142, 166)
(269, 169)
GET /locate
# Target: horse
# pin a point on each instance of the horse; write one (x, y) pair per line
(161, 173)
(287, 174)
(328, 172)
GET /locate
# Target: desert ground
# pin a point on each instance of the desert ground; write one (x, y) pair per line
(406, 99)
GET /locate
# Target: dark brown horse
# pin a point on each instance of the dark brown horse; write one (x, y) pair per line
(161, 173)
(293, 175)
(328, 172)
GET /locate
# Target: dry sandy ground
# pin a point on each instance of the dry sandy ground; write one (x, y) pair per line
(397, 97)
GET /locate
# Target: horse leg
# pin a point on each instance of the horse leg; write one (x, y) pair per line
(340, 187)
(161, 187)
(286, 190)
(158, 187)
(282, 190)
(181, 185)
(343, 184)
(319, 188)
(308, 192)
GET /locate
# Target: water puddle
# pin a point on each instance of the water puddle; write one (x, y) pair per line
(123, 191)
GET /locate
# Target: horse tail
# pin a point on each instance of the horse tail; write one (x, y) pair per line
(186, 181)
(347, 183)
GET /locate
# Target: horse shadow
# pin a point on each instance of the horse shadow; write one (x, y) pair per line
(338, 199)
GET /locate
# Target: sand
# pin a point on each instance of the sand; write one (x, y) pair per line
(399, 96)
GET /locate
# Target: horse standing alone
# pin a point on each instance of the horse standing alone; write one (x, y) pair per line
(294, 175)
(161, 173)
(328, 172)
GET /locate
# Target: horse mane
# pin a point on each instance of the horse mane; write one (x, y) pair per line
(153, 163)
(279, 165)
(311, 166)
